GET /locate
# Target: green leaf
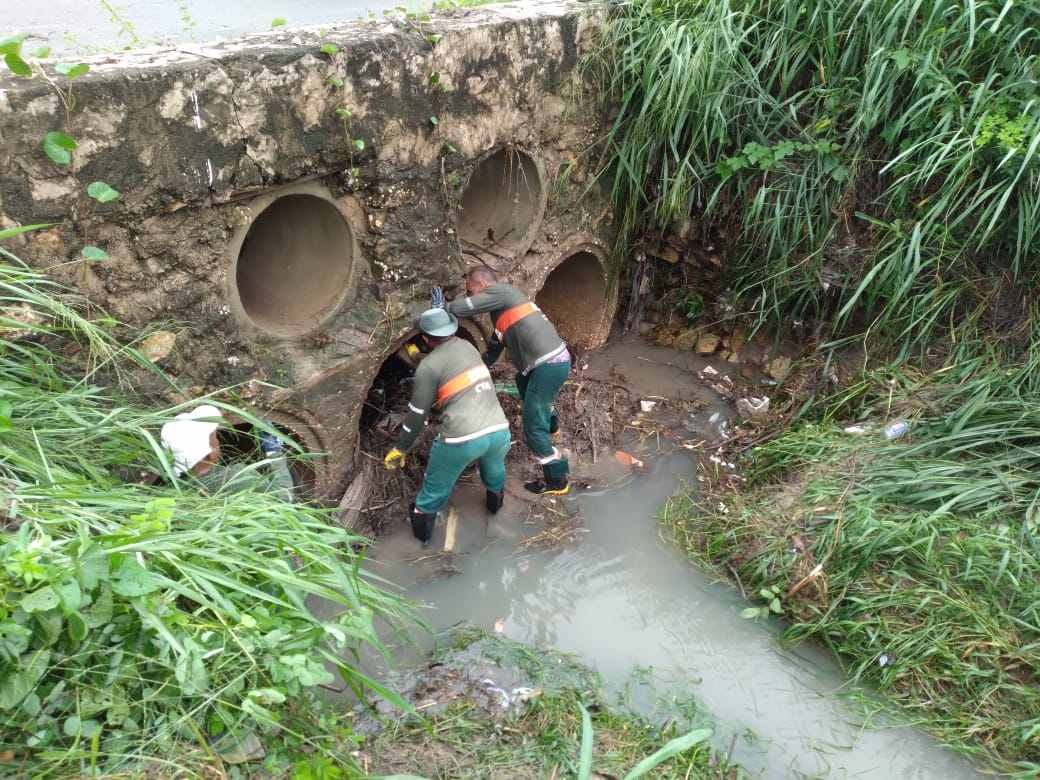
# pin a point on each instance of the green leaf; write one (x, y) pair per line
(336, 81)
(100, 612)
(267, 696)
(69, 595)
(434, 39)
(585, 753)
(766, 593)
(17, 65)
(330, 49)
(94, 253)
(749, 613)
(42, 53)
(72, 70)
(775, 606)
(12, 45)
(102, 193)
(359, 144)
(17, 231)
(6, 416)
(77, 627)
(343, 113)
(278, 21)
(15, 687)
(670, 750)
(58, 147)
(133, 579)
(434, 121)
(40, 600)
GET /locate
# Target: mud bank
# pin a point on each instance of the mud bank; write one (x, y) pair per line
(288, 199)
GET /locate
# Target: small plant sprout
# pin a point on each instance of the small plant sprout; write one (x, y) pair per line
(94, 254)
(102, 192)
(329, 49)
(278, 21)
(771, 595)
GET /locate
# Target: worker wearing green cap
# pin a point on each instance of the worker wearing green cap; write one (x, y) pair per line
(453, 380)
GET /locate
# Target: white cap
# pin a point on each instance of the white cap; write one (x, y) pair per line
(187, 436)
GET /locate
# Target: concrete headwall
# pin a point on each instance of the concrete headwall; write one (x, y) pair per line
(286, 209)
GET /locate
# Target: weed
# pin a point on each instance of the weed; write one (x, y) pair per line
(871, 164)
(917, 560)
(149, 625)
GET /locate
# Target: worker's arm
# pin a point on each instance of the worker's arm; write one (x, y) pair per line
(279, 478)
(472, 305)
(424, 393)
(494, 349)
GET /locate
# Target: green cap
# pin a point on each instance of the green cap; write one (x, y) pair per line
(438, 322)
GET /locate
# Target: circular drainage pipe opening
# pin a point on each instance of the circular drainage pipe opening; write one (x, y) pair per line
(503, 204)
(294, 266)
(574, 298)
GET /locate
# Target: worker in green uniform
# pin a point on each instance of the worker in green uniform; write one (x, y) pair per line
(453, 380)
(191, 438)
(542, 365)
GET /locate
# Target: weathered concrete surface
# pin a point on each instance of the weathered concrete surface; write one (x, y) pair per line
(199, 139)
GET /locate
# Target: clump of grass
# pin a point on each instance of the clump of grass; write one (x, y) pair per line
(150, 627)
(872, 164)
(566, 731)
(916, 561)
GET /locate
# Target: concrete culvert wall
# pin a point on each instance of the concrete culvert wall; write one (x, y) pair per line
(293, 268)
(575, 298)
(502, 205)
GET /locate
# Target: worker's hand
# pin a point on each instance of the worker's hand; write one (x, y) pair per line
(393, 459)
(270, 445)
(437, 298)
(412, 351)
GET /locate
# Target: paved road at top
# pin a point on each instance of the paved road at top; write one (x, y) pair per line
(89, 26)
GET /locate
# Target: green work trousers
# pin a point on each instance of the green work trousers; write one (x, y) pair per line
(538, 390)
(448, 461)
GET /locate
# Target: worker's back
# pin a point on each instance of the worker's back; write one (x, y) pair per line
(474, 409)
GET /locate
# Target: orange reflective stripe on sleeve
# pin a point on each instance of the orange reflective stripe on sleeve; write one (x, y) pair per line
(513, 315)
(460, 382)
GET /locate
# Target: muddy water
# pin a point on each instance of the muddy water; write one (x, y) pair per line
(657, 630)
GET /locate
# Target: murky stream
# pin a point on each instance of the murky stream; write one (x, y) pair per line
(659, 631)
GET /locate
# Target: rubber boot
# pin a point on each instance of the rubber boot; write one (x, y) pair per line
(554, 481)
(494, 500)
(422, 525)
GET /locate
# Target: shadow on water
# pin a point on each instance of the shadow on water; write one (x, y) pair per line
(660, 633)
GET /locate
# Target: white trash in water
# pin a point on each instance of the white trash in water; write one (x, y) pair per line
(647, 406)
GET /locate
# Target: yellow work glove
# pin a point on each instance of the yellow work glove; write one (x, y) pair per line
(393, 459)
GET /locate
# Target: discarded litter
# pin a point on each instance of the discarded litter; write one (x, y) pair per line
(500, 626)
(647, 406)
(753, 408)
(896, 429)
(857, 430)
(625, 459)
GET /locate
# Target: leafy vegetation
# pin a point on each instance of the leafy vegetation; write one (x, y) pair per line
(564, 731)
(149, 627)
(916, 560)
(871, 164)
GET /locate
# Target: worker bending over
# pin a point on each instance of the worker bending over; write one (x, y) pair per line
(191, 438)
(542, 365)
(453, 380)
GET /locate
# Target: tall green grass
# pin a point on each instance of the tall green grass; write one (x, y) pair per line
(151, 628)
(873, 163)
(928, 548)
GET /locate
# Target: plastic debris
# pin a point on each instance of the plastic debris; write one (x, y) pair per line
(500, 626)
(647, 406)
(856, 430)
(753, 408)
(625, 459)
(897, 429)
